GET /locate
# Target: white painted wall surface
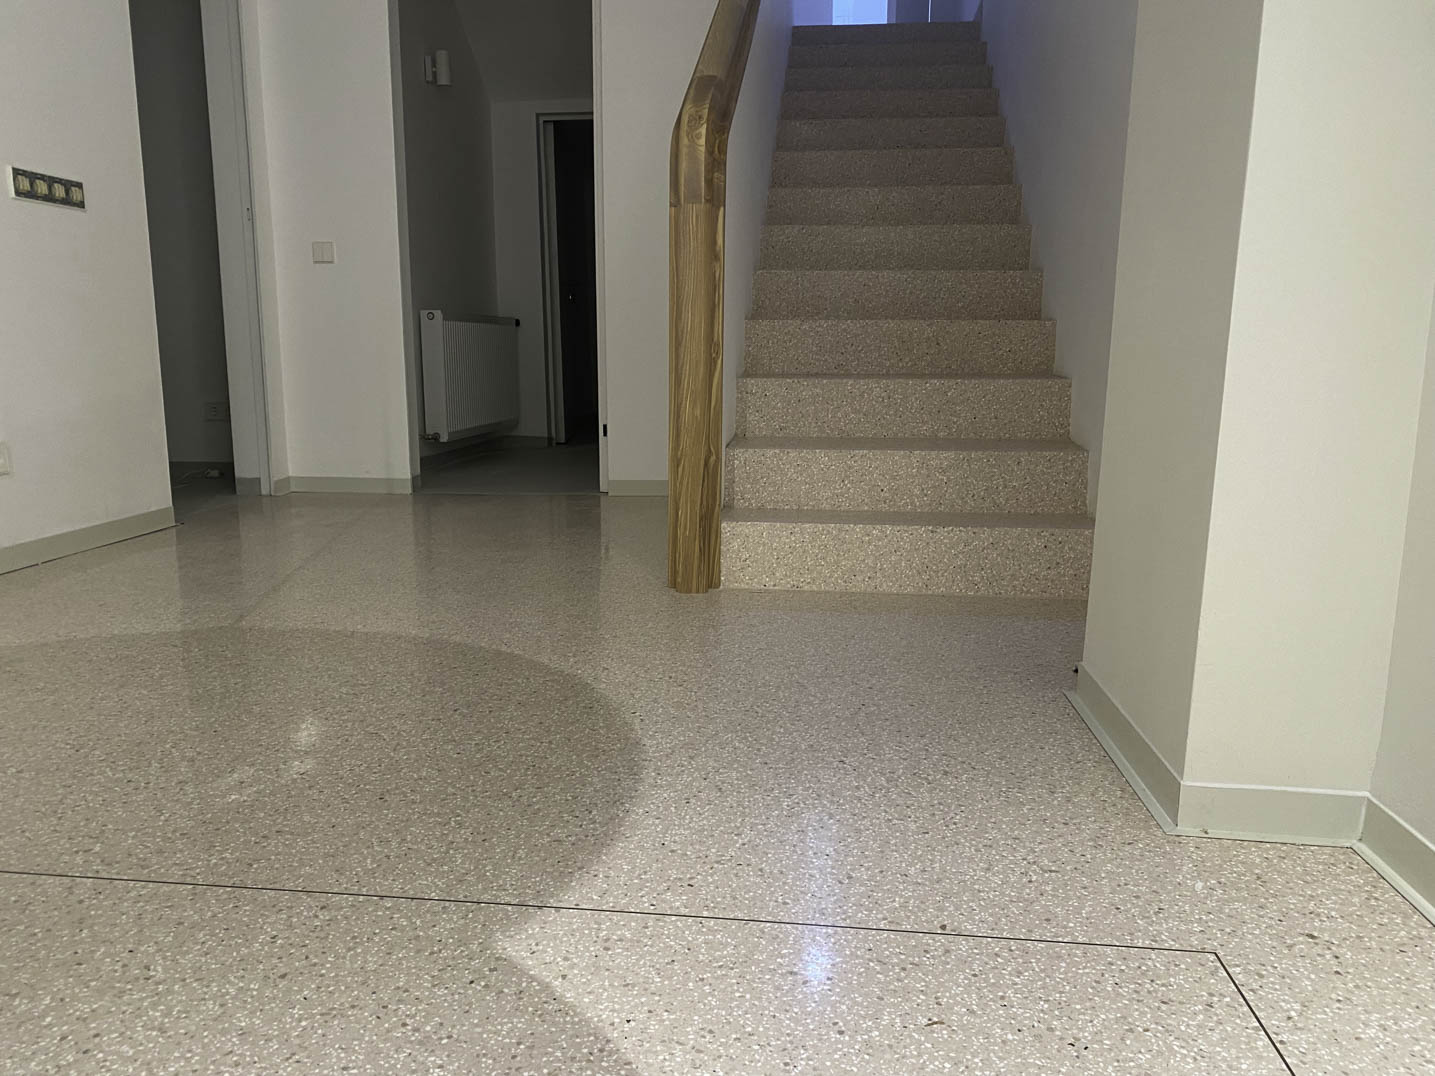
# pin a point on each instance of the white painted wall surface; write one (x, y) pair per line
(519, 244)
(1064, 76)
(321, 112)
(1192, 87)
(1329, 328)
(749, 172)
(184, 243)
(1405, 763)
(80, 400)
(646, 52)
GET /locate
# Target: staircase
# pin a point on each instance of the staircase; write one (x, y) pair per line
(899, 424)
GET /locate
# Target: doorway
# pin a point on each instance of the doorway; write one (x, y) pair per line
(194, 149)
(570, 279)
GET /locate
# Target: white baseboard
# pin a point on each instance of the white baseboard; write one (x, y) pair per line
(1148, 773)
(637, 487)
(1400, 854)
(246, 487)
(1200, 809)
(321, 484)
(28, 554)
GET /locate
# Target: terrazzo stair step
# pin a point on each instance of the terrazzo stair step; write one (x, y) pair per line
(886, 33)
(891, 167)
(904, 77)
(987, 294)
(906, 474)
(1037, 556)
(908, 246)
(892, 133)
(1014, 408)
(909, 347)
(856, 104)
(988, 204)
(887, 54)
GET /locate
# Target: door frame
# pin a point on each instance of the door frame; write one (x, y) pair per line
(238, 252)
(552, 300)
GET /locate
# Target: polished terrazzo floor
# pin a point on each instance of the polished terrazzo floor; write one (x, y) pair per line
(453, 784)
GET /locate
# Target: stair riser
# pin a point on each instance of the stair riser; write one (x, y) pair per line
(992, 204)
(979, 561)
(946, 77)
(970, 246)
(892, 167)
(970, 132)
(985, 294)
(908, 348)
(856, 104)
(1029, 409)
(886, 34)
(859, 479)
(917, 54)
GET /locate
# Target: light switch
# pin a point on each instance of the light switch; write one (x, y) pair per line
(5, 467)
(323, 252)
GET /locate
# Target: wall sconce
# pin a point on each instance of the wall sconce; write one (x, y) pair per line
(436, 69)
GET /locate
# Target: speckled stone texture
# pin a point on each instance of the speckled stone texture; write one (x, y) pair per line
(888, 54)
(986, 294)
(904, 246)
(884, 133)
(830, 104)
(966, 407)
(906, 474)
(498, 699)
(907, 553)
(892, 167)
(909, 347)
(904, 77)
(995, 204)
(894, 273)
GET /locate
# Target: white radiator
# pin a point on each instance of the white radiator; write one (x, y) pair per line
(470, 373)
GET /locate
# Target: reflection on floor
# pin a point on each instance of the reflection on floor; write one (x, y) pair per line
(570, 468)
(197, 494)
(455, 784)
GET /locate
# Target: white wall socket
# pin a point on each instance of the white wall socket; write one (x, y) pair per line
(4, 458)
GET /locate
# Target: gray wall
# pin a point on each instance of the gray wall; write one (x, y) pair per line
(448, 167)
(184, 248)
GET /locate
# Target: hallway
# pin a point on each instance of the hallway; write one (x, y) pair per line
(455, 784)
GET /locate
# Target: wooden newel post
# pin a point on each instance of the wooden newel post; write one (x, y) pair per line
(695, 299)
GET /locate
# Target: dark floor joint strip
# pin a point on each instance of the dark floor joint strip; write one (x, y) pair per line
(676, 915)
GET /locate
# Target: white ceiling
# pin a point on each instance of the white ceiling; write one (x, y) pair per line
(531, 49)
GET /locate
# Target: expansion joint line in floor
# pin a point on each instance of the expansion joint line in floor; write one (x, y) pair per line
(655, 914)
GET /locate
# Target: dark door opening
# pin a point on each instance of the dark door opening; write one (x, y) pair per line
(170, 86)
(576, 361)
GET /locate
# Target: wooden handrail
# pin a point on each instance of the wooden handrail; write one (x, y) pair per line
(695, 300)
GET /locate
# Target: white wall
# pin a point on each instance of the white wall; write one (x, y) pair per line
(646, 53)
(517, 215)
(1406, 759)
(1329, 328)
(79, 355)
(749, 171)
(184, 245)
(322, 142)
(533, 49)
(1192, 88)
(1064, 73)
